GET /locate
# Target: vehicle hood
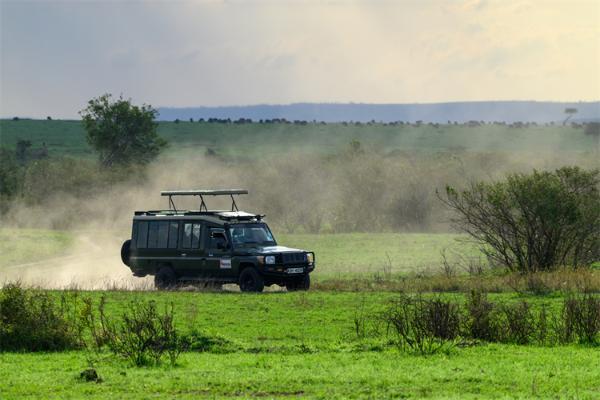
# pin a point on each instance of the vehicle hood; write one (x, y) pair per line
(269, 250)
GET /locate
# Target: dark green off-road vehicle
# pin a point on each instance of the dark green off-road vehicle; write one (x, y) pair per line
(212, 247)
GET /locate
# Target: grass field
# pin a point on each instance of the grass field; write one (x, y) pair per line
(20, 246)
(301, 345)
(257, 140)
(338, 255)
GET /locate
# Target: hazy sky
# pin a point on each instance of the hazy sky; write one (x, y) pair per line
(56, 55)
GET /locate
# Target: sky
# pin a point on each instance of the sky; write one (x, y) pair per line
(57, 55)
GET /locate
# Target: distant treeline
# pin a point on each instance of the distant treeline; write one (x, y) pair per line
(471, 124)
(508, 111)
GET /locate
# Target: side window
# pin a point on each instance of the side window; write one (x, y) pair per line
(173, 233)
(163, 234)
(191, 235)
(142, 235)
(217, 239)
(186, 241)
(153, 235)
(196, 236)
(134, 234)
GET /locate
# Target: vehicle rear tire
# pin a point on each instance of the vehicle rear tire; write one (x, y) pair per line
(301, 284)
(126, 252)
(251, 281)
(165, 278)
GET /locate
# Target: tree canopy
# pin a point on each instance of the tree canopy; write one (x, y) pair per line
(121, 133)
(533, 222)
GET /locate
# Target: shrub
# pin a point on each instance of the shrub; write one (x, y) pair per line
(423, 326)
(480, 322)
(34, 321)
(580, 319)
(533, 222)
(443, 319)
(520, 327)
(143, 335)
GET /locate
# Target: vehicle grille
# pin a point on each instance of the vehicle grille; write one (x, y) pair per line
(291, 258)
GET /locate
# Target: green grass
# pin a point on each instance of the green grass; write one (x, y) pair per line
(483, 372)
(302, 345)
(257, 140)
(368, 253)
(280, 321)
(20, 246)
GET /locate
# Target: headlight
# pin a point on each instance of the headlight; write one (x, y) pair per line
(310, 257)
(270, 260)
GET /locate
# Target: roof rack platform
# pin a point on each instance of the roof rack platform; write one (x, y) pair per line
(201, 194)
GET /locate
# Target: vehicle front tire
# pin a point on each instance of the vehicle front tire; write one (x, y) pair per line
(301, 284)
(165, 278)
(251, 281)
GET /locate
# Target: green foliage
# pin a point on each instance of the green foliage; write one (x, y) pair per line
(480, 322)
(427, 326)
(533, 222)
(423, 326)
(62, 176)
(35, 321)
(580, 318)
(519, 323)
(10, 176)
(143, 335)
(121, 132)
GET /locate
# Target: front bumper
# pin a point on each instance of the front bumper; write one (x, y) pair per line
(287, 270)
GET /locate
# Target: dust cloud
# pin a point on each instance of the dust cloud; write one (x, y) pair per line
(359, 189)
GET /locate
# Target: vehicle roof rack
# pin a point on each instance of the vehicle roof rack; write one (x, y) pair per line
(201, 194)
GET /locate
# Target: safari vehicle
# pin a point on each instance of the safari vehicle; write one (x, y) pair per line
(212, 247)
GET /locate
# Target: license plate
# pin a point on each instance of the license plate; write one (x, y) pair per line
(295, 270)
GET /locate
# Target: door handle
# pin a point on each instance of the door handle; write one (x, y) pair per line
(183, 254)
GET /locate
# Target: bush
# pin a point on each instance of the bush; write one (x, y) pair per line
(520, 323)
(33, 321)
(143, 336)
(423, 326)
(533, 222)
(480, 322)
(430, 326)
(580, 319)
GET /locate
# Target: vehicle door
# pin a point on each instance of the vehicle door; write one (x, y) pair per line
(192, 257)
(218, 249)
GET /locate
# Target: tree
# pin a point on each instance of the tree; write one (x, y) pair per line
(533, 222)
(570, 112)
(121, 132)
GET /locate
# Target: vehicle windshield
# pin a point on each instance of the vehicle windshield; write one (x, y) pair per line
(251, 235)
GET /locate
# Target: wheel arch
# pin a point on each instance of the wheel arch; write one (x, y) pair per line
(246, 264)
